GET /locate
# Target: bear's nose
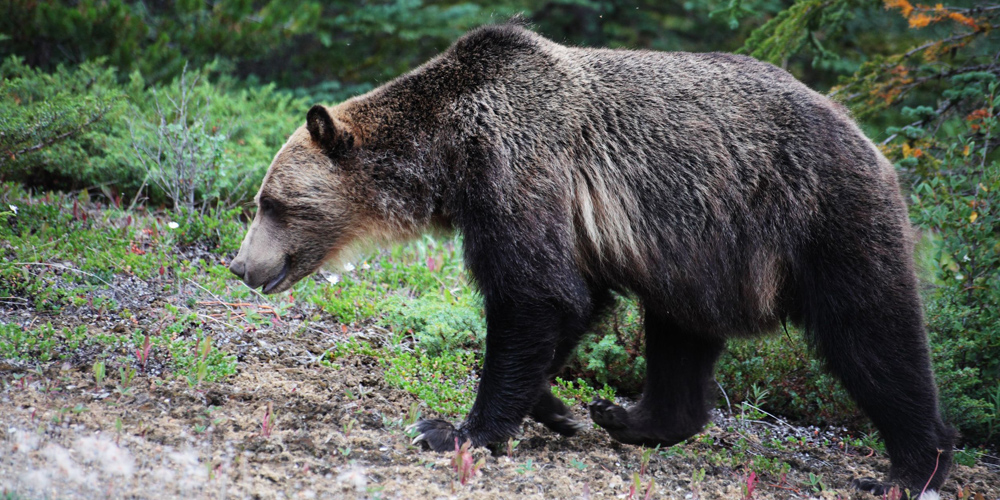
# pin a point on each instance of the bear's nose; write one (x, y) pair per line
(237, 267)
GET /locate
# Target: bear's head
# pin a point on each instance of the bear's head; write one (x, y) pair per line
(308, 207)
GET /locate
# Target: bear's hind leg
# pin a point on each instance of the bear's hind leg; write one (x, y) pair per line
(867, 324)
(677, 395)
(881, 358)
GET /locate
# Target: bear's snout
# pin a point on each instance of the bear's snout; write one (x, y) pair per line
(238, 267)
(269, 275)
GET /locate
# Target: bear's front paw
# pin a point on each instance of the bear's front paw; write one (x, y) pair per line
(608, 415)
(437, 435)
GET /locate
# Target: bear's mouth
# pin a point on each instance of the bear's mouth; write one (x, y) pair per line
(271, 285)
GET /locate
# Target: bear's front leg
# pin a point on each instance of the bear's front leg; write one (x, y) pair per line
(520, 343)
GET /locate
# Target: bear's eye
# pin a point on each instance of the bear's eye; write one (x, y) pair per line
(267, 206)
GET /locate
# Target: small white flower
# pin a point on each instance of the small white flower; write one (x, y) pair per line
(365, 266)
(173, 225)
(13, 208)
(333, 278)
(348, 267)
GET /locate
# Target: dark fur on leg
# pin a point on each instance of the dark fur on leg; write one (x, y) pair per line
(552, 413)
(866, 322)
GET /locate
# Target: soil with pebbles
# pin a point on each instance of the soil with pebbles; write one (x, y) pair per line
(339, 433)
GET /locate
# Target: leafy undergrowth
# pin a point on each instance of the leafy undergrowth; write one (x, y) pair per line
(132, 365)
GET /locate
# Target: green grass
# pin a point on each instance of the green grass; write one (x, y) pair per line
(43, 343)
(445, 383)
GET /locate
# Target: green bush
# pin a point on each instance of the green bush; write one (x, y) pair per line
(438, 325)
(612, 353)
(201, 141)
(799, 387)
(128, 139)
(153, 38)
(54, 127)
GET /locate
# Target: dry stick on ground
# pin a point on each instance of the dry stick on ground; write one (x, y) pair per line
(227, 304)
(261, 308)
(231, 305)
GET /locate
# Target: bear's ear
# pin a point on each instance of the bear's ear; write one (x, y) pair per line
(331, 134)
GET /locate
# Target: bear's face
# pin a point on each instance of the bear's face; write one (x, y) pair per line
(305, 212)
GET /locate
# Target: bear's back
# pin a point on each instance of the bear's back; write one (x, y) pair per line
(513, 82)
(666, 152)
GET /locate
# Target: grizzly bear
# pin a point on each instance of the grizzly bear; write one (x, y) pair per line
(721, 192)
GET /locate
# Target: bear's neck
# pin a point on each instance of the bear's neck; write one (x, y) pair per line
(406, 155)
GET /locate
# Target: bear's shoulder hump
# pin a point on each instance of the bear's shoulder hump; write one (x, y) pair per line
(495, 40)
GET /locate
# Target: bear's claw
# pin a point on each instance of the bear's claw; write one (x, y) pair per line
(874, 486)
(608, 415)
(436, 435)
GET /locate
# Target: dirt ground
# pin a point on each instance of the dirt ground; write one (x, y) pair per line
(339, 433)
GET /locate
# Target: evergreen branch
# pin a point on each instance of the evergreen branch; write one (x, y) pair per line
(44, 144)
(947, 40)
(945, 106)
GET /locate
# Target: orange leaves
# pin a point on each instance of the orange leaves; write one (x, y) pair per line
(976, 118)
(921, 16)
(893, 87)
(979, 114)
(904, 150)
(905, 7)
(920, 20)
(963, 19)
(910, 152)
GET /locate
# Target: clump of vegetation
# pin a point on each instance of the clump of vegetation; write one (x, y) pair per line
(800, 387)
(612, 354)
(436, 324)
(446, 383)
(192, 142)
(53, 126)
(43, 343)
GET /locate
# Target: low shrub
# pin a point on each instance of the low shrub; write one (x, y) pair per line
(613, 352)
(201, 139)
(55, 127)
(436, 324)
